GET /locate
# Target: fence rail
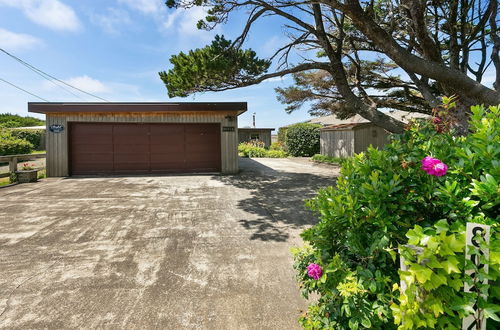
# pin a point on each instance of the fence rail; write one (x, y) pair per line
(14, 159)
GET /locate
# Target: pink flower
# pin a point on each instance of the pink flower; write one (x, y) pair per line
(314, 271)
(434, 166)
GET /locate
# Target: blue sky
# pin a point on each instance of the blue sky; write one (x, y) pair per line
(115, 49)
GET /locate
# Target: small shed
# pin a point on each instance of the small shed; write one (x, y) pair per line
(261, 134)
(346, 140)
(140, 138)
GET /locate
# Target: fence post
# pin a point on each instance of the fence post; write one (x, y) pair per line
(13, 165)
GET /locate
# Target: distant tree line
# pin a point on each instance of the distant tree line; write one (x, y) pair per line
(8, 120)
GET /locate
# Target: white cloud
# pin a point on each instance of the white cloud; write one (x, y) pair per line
(111, 21)
(145, 6)
(17, 41)
(277, 79)
(88, 84)
(84, 82)
(184, 22)
(50, 13)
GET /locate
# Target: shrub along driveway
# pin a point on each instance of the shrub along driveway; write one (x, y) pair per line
(157, 252)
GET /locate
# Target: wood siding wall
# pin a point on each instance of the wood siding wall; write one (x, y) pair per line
(369, 135)
(264, 136)
(338, 143)
(57, 143)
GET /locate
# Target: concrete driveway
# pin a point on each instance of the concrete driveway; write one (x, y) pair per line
(166, 252)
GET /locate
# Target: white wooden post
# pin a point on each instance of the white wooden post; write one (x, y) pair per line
(477, 320)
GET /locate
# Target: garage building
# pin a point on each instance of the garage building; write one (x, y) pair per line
(140, 138)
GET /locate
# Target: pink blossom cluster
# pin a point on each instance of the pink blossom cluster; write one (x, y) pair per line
(434, 166)
(314, 271)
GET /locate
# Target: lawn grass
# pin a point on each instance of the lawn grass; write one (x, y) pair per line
(4, 181)
(327, 159)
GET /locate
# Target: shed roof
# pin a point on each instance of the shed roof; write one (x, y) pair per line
(61, 107)
(397, 114)
(345, 126)
(255, 129)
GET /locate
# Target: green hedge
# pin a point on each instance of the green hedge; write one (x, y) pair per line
(33, 136)
(302, 140)
(8, 120)
(10, 145)
(255, 149)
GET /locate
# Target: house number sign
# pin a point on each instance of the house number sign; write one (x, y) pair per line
(476, 321)
(228, 129)
(56, 128)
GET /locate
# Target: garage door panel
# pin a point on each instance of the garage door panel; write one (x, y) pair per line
(94, 167)
(97, 158)
(166, 149)
(166, 129)
(130, 158)
(130, 139)
(144, 148)
(202, 158)
(93, 148)
(206, 142)
(167, 166)
(131, 149)
(86, 129)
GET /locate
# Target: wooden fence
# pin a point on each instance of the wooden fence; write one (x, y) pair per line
(14, 159)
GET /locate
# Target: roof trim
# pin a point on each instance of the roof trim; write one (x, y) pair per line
(345, 126)
(124, 107)
(255, 129)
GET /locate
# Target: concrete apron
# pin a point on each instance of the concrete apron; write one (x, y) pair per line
(170, 252)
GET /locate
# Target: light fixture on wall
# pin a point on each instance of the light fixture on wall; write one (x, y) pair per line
(229, 118)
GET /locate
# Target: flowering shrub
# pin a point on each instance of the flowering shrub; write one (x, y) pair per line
(380, 196)
(28, 167)
(256, 149)
(434, 166)
(314, 271)
(248, 149)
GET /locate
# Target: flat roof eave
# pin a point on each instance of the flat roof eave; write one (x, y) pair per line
(255, 129)
(124, 107)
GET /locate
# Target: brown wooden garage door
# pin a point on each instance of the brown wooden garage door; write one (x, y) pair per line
(106, 148)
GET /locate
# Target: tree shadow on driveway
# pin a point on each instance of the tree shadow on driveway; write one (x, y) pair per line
(274, 206)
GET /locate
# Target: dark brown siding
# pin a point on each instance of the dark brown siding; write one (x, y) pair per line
(105, 148)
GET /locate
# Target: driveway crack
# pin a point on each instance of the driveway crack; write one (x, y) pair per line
(23, 282)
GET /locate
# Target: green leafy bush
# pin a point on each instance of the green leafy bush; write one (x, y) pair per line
(282, 135)
(256, 149)
(33, 136)
(277, 146)
(8, 120)
(302, 140)
(381, 195)
(327, 159)
(249, 150)
(434, 296)
(10, 145)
